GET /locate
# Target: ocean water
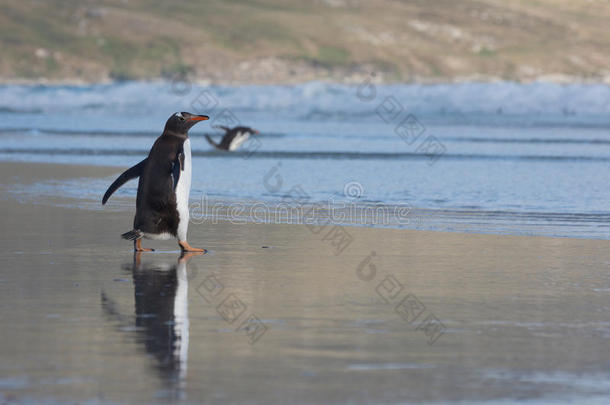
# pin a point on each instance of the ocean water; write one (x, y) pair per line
(496, 157)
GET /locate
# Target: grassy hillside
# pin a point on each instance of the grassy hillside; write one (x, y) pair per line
(284, 41)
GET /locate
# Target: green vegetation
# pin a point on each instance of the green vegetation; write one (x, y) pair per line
(332, 55)
(486, 52)
(288, 40)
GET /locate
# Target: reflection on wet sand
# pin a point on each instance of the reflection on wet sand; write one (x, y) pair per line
(526, 318)
(161, 315)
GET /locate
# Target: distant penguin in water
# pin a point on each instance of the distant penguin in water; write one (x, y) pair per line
(233, 137)
(162, 208)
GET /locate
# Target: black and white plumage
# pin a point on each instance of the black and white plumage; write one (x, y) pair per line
(164, 185)
(233, 137)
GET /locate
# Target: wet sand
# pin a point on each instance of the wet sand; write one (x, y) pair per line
(281, 314)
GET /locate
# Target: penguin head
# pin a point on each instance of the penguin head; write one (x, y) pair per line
(253, 131)
(181, 122)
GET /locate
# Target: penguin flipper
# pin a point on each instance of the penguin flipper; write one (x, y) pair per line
(211, 141)
(131, 173)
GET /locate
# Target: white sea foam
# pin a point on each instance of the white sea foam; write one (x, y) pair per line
(157, 100)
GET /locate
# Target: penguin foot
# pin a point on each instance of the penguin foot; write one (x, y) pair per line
(184, 245)
(137, 246)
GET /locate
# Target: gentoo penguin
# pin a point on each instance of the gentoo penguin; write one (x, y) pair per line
(162, 204)
(233, 137)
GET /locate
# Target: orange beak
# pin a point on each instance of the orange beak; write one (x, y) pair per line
(199, 118)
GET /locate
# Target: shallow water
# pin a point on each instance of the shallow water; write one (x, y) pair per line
(521, 319)
(535, 153)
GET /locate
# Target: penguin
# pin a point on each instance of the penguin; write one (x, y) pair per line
(164, 185)
(233, 137)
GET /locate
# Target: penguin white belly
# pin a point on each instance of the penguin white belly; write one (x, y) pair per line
(183, 190)
(239, 139)
(157, 236)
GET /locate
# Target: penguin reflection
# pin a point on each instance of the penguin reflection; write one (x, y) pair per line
(161, 315)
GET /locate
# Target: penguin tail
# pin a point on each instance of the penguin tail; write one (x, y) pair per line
(211, 141)
(132, 235)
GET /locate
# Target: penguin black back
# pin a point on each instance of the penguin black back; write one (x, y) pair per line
(233, 137)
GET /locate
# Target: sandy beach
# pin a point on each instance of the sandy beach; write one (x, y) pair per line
(278, 313)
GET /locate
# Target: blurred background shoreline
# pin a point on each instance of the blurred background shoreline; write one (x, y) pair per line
(288, 42)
